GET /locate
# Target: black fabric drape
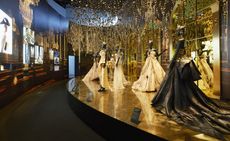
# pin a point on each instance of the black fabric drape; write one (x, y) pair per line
(181, 100)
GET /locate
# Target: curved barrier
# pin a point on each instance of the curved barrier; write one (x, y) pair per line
(124, 114)
(107, 126)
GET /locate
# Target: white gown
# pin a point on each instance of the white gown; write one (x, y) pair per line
(102, 71)
(93, 72)
(119, 80)
(151, 75)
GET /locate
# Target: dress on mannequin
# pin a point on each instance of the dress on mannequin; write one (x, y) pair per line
(102, 70)
(151, 75)
(119, 80)
(206, 71)
(93, 72)
(181, 99)
(111, 66)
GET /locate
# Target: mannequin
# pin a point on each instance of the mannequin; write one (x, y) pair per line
(152, 73)
(119, 80)
(102, 69)
(181, 100)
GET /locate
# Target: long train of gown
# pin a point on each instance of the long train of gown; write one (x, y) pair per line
(92, 74)
(119, 80)
(151, 75)
(181, 100)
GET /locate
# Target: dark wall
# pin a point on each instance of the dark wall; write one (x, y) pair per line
(44, 19)
(11, 7)
(13, 11)
(225, 53)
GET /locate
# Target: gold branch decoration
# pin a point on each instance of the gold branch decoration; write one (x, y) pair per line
(26, 11)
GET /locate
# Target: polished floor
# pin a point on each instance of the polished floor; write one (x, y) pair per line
(120, 104)
(43, 114)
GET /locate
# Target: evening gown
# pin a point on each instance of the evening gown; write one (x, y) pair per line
(93, 72)
(151, 75)
(119, 81)
(181, 100)
(102, 70)
(110, 66)
(206, 72)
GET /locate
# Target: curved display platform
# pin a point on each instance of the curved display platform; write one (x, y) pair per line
(125, 114)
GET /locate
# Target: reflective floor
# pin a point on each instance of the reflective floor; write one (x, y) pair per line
(120, 104)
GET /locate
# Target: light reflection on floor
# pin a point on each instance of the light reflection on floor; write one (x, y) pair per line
(119, 104)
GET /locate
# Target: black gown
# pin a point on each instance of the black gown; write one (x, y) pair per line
(181, 100)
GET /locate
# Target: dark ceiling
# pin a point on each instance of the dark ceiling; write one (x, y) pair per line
(124, 8)
(62, 2)
(113, 6)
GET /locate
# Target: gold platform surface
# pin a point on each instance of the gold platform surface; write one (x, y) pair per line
(119, 104)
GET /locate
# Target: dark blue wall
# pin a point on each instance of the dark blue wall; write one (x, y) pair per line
(45, 19)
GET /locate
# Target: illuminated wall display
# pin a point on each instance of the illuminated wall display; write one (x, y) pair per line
(28, 36)
(56, 68)
(1, 68)
(28, 42)
(36, 53)
(39, 54)
(56, 57)
(56, 61)
(51, 54)
(32, 51)
(26, 54)
(6, 32)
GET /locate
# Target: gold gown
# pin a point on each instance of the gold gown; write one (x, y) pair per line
(119, 80)
(206, 73)
(102, 70)
(151, 75)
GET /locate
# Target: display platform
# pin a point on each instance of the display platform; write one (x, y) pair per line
(125, 114)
